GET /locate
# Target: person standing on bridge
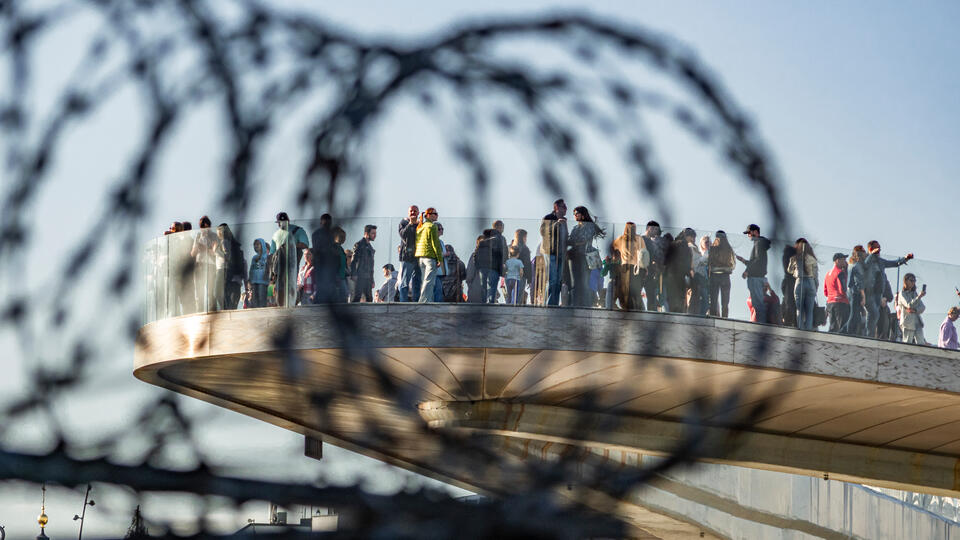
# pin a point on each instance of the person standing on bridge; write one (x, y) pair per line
(583, 256)
(721, 260)
(910, 304)
(326, 261)
(855, 292)
(520, 242)
(361, 267)
(653, 282)
(805, 269)
(948, 332)
(553, 247)
(410, 277)
(429, 253)
(874, 280)
(835, 289)
(756, 272)
(678, 276)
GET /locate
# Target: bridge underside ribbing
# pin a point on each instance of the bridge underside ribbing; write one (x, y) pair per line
(615, 384)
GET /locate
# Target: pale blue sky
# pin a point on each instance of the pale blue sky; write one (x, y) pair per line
(856, 100)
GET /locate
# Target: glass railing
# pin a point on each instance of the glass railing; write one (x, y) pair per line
(197, 271)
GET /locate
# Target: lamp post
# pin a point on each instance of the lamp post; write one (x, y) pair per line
(83, 514)
(42, 519)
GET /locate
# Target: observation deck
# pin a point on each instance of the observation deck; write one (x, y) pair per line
(621, 384)
(529, 382)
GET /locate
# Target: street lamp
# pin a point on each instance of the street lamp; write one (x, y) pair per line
(83, 514)
(42, 519)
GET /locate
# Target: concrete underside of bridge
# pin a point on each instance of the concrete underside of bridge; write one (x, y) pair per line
(618, 385)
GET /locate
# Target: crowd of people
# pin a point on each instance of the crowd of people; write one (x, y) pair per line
(651, 271)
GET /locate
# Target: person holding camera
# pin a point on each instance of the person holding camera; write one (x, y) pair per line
(911, 306)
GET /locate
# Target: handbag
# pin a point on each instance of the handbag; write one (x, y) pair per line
(593, 258)
(819, 315)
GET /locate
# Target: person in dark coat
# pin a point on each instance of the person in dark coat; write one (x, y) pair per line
(361, 267)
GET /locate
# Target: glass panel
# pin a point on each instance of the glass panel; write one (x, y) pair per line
(266, 265)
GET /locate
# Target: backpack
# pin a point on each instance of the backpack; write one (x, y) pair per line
(645, 257)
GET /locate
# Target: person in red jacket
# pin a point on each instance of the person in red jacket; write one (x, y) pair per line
(835, 289)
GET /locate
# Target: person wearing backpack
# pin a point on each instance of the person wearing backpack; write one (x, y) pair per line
(874, 281)
(410, 276)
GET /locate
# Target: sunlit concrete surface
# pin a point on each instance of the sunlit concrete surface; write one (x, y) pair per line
(835, 407)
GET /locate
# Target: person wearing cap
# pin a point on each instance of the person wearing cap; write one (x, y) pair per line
(835, 289)
(948, 332)
(756, 272)
(287, 240)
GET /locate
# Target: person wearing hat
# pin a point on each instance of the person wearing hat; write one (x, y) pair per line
(756, 272)
(287, 239)
(835, 289)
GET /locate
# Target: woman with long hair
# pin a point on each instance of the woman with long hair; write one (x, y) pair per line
(231, 268)
(205, 269)
(721, 261)
(804, 268)
(579, 248)
(475, 288)
(631, 273)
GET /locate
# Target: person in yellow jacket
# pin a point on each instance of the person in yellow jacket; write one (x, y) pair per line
(429, 253)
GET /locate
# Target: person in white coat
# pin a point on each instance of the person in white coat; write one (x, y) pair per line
(910, 305)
